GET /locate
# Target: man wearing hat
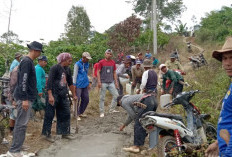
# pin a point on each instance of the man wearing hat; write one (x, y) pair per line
(137, 72)
(149, 78)
(39, 103)
(172, 81)
(16, 61)
(81, 82)
(25, 93)
(121, 72)
(223, 145)
(173, 64)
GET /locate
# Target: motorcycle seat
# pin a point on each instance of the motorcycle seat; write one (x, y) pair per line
(166, 115)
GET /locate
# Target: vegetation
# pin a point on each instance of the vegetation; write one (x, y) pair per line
(77, 27)
(216, 26)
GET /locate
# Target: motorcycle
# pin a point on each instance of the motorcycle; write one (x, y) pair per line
(174, 134)
(198, 61)
(4, 118)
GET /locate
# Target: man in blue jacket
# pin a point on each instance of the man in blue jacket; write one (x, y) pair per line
(223, 145)
(81, 81)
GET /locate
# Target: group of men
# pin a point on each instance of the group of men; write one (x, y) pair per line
(30, 90)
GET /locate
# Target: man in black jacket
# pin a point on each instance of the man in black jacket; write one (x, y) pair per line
(24, 94)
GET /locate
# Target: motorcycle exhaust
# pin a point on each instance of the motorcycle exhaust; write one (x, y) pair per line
(189, 147)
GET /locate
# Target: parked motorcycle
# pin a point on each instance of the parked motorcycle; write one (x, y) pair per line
(198, 61)
(4, 119)
(174, 134)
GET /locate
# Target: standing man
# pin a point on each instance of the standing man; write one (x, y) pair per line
(121, 72)
(25, 93)
(59, 79)
(137, 73)
(148, 54)
(107, 80)
(39, 103)
(16, 61)
(223, 145)
(81, 82)
(173, 64)
(149, 78)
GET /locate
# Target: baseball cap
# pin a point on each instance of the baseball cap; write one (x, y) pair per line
(42, 58)
(87, 55)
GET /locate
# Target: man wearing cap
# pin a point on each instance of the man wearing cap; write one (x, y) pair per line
(25, 93)
(149, 78)
(16, 61)
(137, 72)
(39, 103)
(223, 145)
(173, 64)
(172, 81)
(107, 80)
(81, 82)
(121, 72)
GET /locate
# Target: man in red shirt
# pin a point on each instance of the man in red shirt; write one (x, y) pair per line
(107, 80)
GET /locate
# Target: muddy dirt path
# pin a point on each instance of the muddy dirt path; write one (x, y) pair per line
(97, 137)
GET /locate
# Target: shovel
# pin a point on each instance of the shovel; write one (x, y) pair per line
(75, 115)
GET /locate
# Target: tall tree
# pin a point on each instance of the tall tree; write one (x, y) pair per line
(166, 9)
(217, 25)
(10, 37)
(77, 28)
(124, 33)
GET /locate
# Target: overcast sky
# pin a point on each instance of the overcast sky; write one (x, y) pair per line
(35, 19)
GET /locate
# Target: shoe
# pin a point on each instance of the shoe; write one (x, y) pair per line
(113, 111)
(102, 115)
(49, 138)
(131, 149)
(69, 137)
(83, 116)
(78, 118)
(18, 154)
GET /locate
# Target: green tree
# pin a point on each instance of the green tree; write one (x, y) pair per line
(216, 25)
(78, 26)
(11, 37)
(181, 29)
(166, 9)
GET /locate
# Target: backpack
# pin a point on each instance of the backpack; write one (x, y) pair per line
(13, 82)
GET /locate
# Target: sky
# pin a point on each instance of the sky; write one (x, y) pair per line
(45, 19)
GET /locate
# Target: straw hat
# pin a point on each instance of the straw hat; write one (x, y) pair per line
(227, 47)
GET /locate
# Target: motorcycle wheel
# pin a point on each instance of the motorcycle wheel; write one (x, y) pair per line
(211, 132)
(167, 145)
